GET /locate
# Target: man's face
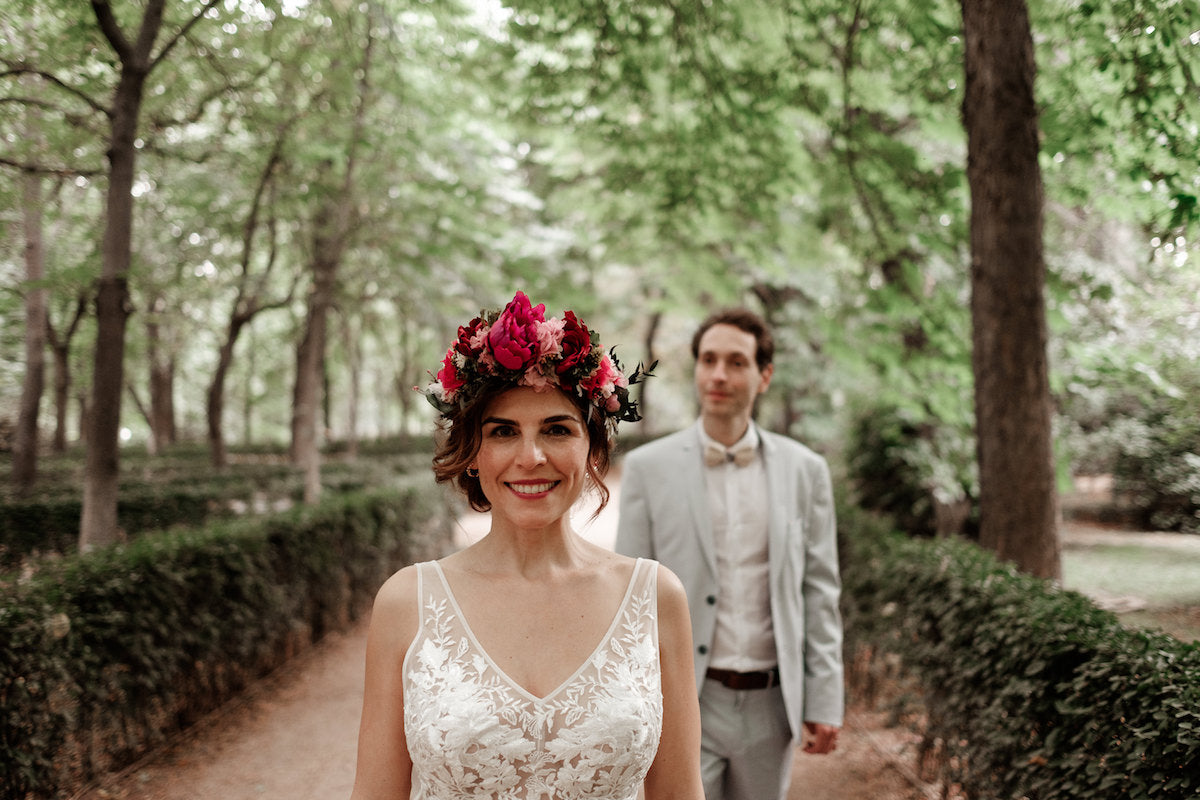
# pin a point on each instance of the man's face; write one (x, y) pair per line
(727, 377)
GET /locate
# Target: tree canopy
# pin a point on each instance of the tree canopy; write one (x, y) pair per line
(390, 167)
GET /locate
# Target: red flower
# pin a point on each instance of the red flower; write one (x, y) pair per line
(465, 335)
(603, 380)
(576, 343)
(514, 336)
(448, 375)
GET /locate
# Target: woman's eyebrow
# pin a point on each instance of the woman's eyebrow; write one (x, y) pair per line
(546, 421)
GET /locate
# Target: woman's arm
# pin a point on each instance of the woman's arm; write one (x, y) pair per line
(675, 773)
(384, 770)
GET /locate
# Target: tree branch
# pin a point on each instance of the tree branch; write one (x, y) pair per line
(183, 32)
(112, 29)
(55, 80)
(42, 169)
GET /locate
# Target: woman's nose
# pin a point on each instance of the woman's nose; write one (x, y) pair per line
(531, 452)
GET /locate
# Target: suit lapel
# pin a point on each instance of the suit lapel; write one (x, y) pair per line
(776, 504)
(693, 487)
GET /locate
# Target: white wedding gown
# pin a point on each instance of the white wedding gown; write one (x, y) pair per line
(474, 733)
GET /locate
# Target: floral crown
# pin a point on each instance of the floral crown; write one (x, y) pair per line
(518, 346)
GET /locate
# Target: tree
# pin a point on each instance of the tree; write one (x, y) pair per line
(332, 225)
(1018, 503)
(25, 440)
(250, 296)
(137, 58)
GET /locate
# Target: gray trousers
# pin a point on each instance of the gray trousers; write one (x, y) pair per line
(745, 743)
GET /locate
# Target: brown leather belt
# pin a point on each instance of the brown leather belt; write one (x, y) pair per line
(741, 681)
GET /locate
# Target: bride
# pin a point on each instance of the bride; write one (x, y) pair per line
(532, 664)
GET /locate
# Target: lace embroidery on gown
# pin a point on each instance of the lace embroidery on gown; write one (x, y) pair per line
(474, 733)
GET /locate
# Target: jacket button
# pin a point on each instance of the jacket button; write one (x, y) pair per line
(703, 649)
(711, 599)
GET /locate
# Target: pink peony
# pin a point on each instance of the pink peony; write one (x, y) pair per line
(550, 336)
(537, 380)
(514, 336)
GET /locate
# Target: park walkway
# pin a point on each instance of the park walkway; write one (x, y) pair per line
(293, 735)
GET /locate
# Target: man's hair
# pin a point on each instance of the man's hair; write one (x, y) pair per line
(746, 320)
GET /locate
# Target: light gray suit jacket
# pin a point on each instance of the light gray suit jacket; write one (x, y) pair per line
(664, 515)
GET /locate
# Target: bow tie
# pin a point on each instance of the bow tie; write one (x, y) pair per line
(715, 454)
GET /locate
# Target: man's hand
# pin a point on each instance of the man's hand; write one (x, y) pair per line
(820, 738)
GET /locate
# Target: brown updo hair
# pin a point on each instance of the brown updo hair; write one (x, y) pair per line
(461, 433)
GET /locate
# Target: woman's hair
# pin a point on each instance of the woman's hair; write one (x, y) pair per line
(461, 433)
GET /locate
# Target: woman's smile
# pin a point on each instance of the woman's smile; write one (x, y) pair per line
(529, 488)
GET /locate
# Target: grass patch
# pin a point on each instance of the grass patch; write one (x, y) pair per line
(1166, 578)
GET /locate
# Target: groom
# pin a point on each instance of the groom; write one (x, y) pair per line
(745, 518)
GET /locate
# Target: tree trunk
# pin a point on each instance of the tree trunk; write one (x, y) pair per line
(144, 410)
(62, 397)
(351, 339)
(648, 344)
(215, 399)
(25, 441)
(98, 524)
(60, 347)
(310, 357)
(162, 382)
(1018, 500)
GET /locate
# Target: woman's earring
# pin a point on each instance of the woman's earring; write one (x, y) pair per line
(472, 472)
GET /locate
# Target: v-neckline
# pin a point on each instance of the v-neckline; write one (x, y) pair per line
(612, 626)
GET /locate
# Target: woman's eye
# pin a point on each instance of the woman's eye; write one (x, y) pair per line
(501, 431)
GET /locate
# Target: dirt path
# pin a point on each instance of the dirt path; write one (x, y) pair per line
(293, 736)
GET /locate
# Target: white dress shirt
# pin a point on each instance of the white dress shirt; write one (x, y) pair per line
(744, 640)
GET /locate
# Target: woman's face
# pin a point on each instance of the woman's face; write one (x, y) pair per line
(532, 457)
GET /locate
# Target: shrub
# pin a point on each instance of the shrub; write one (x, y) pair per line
(178, 489)
(105, 654)
(918, 471)
(1143, 426)
(1031, 690)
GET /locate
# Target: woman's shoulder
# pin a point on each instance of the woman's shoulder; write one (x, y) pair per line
(399, 590)
(670, 588)
(395, 614)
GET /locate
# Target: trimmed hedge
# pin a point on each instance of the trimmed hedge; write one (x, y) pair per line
(1030, 690)
(107, 654)
(182, 490)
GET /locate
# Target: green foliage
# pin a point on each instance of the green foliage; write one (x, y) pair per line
(1123, 71)
(915, 468)
(1032, 691)
(108, 653)
(1157, 464)
(1143, 427)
